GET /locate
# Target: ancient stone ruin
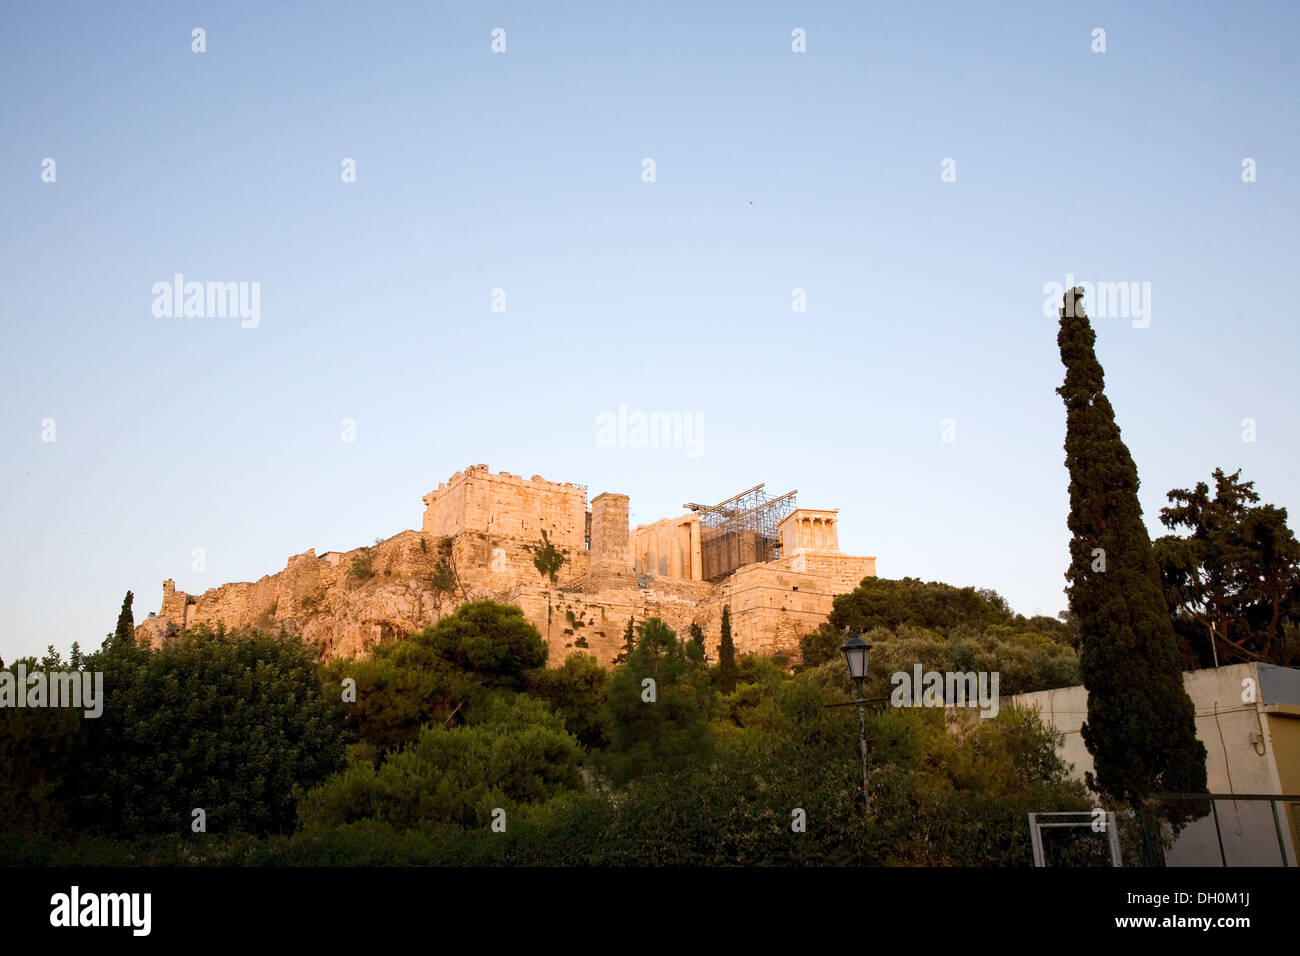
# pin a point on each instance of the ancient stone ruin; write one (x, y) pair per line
(488, 535)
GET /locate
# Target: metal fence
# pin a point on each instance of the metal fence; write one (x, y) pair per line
(1239, 829)
(1178, 830)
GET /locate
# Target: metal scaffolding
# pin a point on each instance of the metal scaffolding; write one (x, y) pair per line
(740, 530)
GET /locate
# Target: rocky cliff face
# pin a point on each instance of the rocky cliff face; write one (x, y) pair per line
(345, 603)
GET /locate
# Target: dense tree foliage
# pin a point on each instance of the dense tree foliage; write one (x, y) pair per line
(629, 642)
(225, 723)
(492, 642)
(434, 675)
(39, 753)
(513, 751)
(726, 654)
(697, 638)
(944, 628)
(467, 751)
(1140, 728)
(658, 705)
(1234, 579)
(576, 691)
(891, 604)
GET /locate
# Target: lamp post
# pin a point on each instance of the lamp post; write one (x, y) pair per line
(855, 655)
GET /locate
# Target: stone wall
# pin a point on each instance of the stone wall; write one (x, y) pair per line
(772, 607)
(1250, 749)
(669, 548)
(506, 505)
(346, 602)
(844, 572)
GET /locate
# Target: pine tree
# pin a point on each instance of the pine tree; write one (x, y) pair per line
(1140, 728)
(629, 642)
(726, 655)
(125, 633)
(697, 638)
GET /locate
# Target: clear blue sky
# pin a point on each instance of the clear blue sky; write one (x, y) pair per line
(522, 171)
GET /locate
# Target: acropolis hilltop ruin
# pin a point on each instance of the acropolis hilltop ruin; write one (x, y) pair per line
(777, 565)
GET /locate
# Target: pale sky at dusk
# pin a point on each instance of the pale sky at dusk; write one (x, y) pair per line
(523, 171)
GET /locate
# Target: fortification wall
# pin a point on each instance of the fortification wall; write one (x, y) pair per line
(772, 607)
(506, 505)
(348, 602)
(843, 572)
(599, 618)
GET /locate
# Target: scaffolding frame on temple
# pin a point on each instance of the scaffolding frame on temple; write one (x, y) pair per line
(741, 530)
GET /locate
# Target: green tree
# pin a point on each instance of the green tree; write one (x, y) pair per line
(435, 676)
(576, 691)
(929, 605)
(658, 705)
(629, 642)
(227, 723)
(40, 750)
(493, 642)
(399, 689)
(1140, 728)
(514, 751)
(1235, 578)
(882, 602)
(726, 655)
(125, 632)
(696, 646)
(944, 792)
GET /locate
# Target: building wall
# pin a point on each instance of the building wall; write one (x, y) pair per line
(772, 607)
(507, 505)
(1284, 732)
(843, 572)
(1244, 746)
(669, 548)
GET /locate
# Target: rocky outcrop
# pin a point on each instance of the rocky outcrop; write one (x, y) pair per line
(489, 535)
(344, 603)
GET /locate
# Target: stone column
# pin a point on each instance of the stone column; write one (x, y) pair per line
(611, 545)
(697, 563)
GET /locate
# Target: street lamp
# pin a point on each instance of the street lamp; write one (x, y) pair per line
(856, 651)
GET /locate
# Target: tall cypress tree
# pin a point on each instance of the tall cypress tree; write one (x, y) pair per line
(1140, 729)
(697, 638)
(125, 633)
(726, 655)
(629, 642)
